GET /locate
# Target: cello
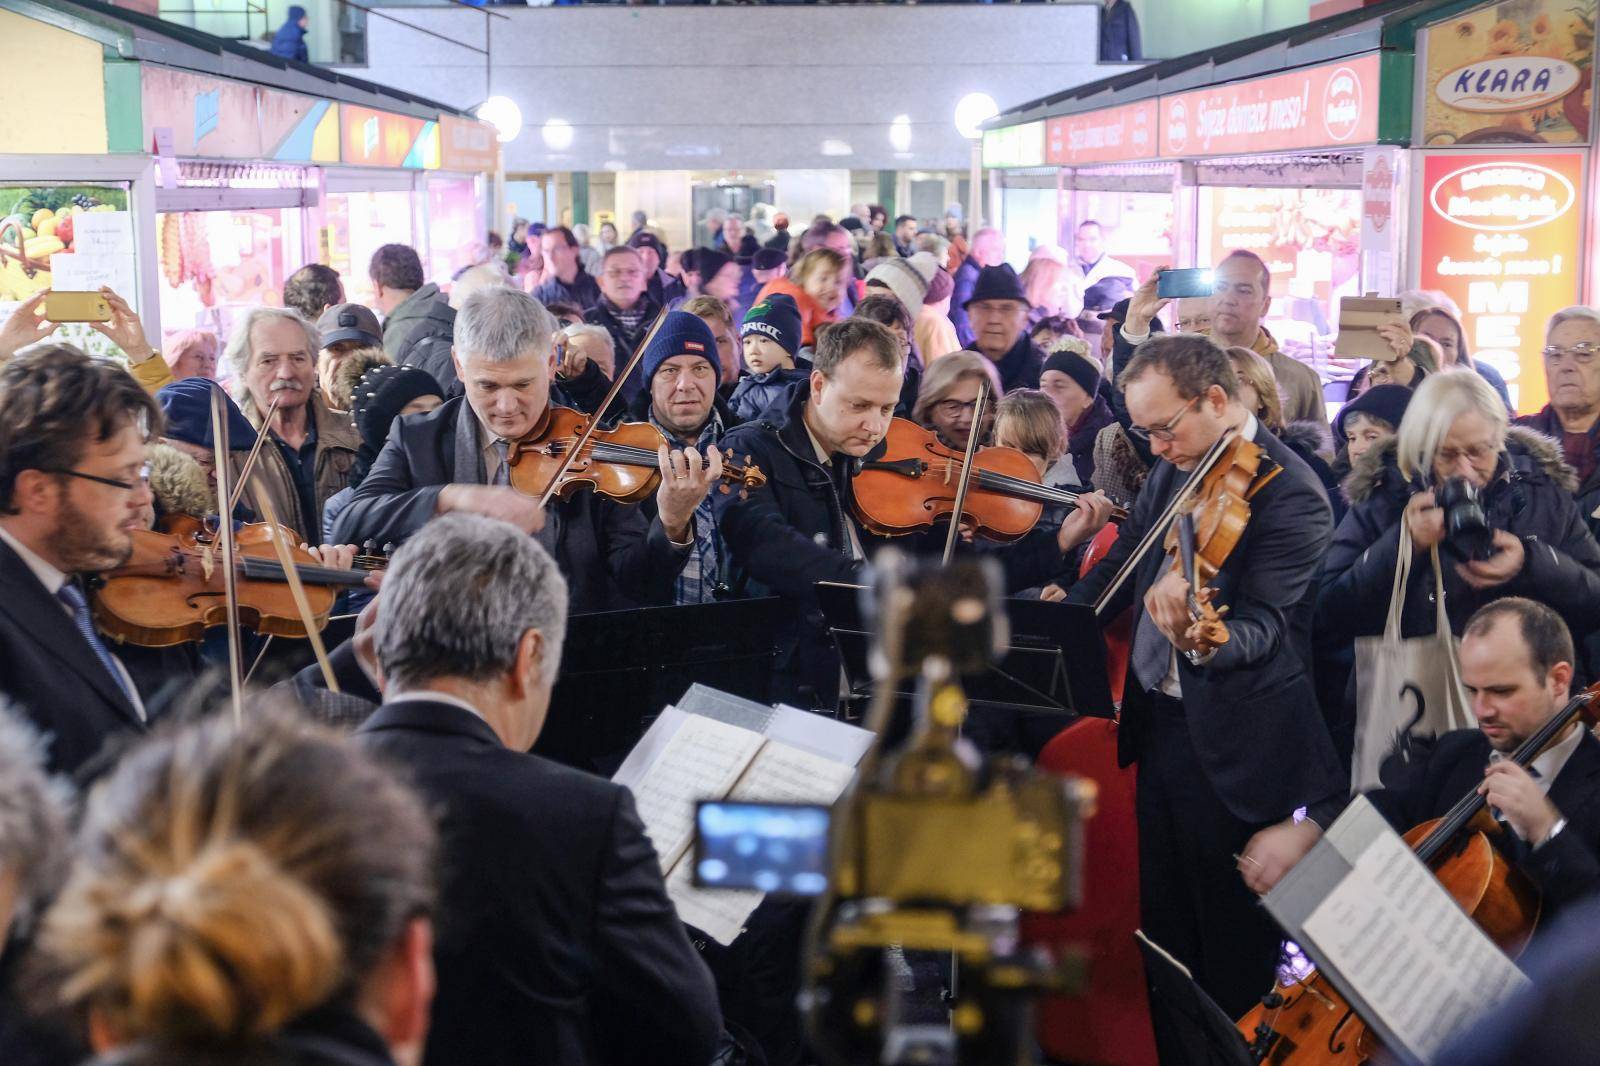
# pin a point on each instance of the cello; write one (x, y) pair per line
(1307, 1022)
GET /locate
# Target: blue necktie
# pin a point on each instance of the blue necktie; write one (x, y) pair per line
(502, 473)
(73, 598)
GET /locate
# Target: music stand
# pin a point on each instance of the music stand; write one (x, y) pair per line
(1205, 1036)
(620, 668)
(1055, 662)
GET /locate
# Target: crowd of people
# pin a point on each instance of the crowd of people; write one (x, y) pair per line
(377, 870)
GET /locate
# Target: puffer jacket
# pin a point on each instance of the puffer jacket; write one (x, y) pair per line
(1530, 496)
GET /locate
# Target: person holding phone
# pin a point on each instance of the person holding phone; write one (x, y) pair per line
(1240, 297)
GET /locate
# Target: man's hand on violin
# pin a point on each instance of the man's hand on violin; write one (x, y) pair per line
(1167, 603)
(1505, 564)
(1424, 520)
(1521, 802)
(494, 501)
(1273, 852)
(1085, 520)
(685, 480)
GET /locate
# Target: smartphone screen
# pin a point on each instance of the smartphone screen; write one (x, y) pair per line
(770, 847)
(1194, 281)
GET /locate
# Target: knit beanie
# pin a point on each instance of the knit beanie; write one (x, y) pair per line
(777, 317)
(681, 334)
(940, 286)
(709, 261)
(382, 392)
(1076, 367)
(901, 277)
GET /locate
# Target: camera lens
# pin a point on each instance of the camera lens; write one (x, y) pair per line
(1466, 526)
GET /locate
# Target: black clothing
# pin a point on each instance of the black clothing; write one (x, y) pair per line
(1587, 492)
(583, 291)
(420, 332)
(1304, 438)
(1081, 438)
(1020, 367)
(1119, 33)
(610, 555)
(665, 290)
(1530, 497)
(627, 341)
(555, 940)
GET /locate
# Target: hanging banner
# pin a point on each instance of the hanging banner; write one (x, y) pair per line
(1110, 135)
(1014, 146)
(465, 144)
(1510, 74)
(1502, 236)
(384, 139)
(1317, 107)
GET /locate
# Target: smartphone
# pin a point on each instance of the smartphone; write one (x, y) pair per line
(62, 306)
(781, 848)
(1194, 281)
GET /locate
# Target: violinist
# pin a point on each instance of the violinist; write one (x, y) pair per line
(1227, 740)
(1516, 663)
(73, 488)
(455, 458)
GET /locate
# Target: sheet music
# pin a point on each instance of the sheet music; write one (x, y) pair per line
(819, 734)
(702, 761)
(1389, 932)
(720, 913)
(783, 774)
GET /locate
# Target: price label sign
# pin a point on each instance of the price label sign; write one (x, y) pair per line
(1501, 235)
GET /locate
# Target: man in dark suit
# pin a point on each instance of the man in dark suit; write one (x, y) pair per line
(1227, 740)
(74, 486)
(556, 941)
(456, 458)
(1516, 663)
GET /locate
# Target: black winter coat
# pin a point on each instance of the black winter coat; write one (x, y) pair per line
(1588, 493)
(1530, 496)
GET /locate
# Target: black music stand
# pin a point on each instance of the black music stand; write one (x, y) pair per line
(1181, 1009)
(620, 668)
(1055, 662)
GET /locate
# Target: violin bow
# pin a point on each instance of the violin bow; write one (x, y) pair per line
(594, 419)
(291, 574)
(965, 480)
(255, 450)
(230, 577)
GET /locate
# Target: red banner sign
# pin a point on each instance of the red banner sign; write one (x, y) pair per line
(1318, 107)
(1110, 135)
(1502, 236)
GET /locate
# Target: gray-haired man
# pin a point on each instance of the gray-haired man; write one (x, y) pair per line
(455, 458)
(557, 941)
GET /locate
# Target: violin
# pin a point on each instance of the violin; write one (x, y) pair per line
(1206, 629)
(915, 483)
(622, 462)
(1308, 1023)
(171, 590)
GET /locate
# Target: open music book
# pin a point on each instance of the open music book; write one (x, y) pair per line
(1374, 919)
(715, 746)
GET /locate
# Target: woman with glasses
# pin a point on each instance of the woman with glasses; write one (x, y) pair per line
(949, 397)
(1455, 430)
(1571, 416)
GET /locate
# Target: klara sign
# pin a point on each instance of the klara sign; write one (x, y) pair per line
(1110, 135)
(1502, 236)
(1510, 74)
(1318, 107)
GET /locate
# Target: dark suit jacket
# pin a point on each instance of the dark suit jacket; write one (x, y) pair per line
(611, 556)
(555, 940)
(1565, 868)
(48, 670)
(1252, 710)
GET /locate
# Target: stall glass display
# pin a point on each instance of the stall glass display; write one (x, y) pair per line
(1310, 240)
(455, 225)
(70, 236)
(217, 265)
(1137, 226)
(357, 224)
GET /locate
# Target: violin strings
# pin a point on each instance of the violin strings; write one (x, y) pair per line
(607, 451)
(1017, 486)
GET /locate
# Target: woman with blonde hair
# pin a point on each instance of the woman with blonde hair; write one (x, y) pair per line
(949, 396)
(254, 894)
(1030, 422)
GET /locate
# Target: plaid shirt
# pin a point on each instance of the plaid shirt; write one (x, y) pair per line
(702, 571)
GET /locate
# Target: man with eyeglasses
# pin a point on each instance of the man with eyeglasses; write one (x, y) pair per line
(1229, 740)
(1572, 417)
(626, 309)
(74, 486)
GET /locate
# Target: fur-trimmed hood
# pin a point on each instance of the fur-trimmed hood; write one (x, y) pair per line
(1305, 436)
(1378, 467)
(178, 483)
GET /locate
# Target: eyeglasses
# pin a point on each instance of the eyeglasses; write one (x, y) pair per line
(1582, 354)
(953, 408)
(126, 486)
(1474, 454)
(1164, 433)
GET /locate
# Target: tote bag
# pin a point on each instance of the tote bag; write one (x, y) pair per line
(1406, 689)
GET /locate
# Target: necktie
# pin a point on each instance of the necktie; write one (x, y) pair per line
(73, 598)
(502, 473)
(1152, 654)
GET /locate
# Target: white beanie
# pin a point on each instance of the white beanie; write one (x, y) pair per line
(903, 278)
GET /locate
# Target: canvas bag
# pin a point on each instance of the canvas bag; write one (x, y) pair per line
(1405, 687)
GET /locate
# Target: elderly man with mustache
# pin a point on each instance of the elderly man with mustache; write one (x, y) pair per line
(273, 353)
